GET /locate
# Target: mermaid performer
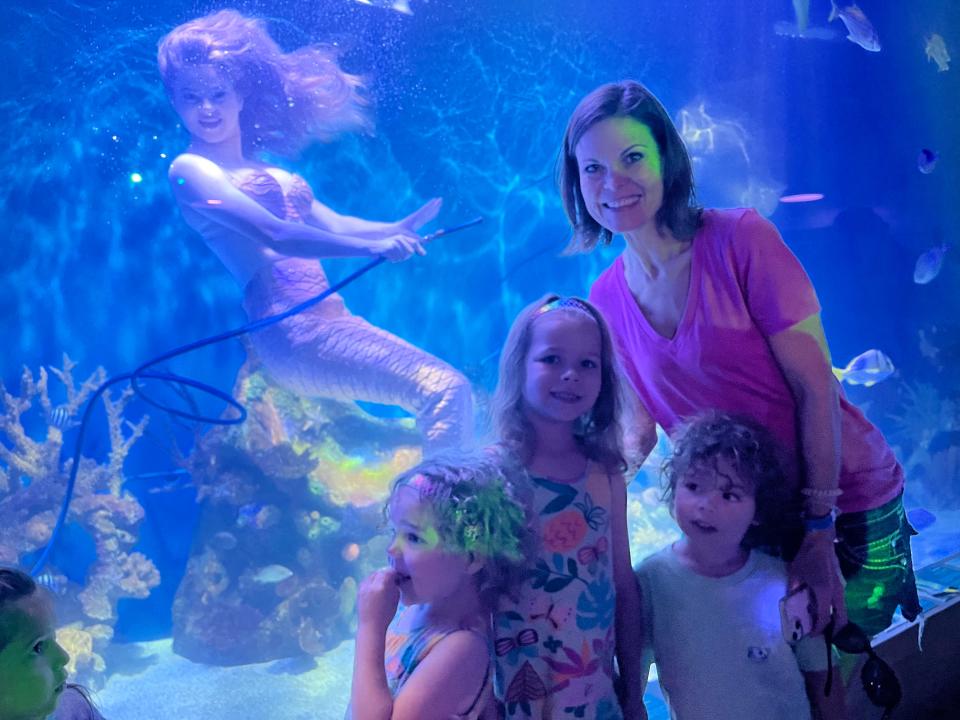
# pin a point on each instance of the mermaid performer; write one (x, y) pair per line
(239, 95)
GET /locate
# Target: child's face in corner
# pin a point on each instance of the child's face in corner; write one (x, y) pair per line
(32, 664)
(714, 508)
(426, 572)
(563, 366)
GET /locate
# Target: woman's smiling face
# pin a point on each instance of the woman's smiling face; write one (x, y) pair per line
(207, 103)
(620, 173)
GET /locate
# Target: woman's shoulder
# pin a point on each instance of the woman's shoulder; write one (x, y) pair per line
(729, 222)
(190, 169)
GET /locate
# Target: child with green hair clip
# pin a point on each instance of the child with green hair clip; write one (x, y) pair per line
(459, 542)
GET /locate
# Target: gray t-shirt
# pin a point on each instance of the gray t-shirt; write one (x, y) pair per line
(718, 644)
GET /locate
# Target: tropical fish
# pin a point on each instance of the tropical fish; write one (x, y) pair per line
(401, 6)
(174, 480)
(56, 584)
(927, 160)
(258, 516)
(271, 574)
(247, 514)
(859, 29)
(929, 264)
(936, 50)
(59, 416)
(223, 541)
(866, 369)
(921, 518)
(350, 552)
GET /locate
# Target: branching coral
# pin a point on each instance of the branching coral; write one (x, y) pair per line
(32, 486)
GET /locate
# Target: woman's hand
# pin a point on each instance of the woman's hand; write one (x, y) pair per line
(418, 218)
(397, 247)
(816, 565)
(377, 599)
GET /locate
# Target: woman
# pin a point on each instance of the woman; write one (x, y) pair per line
(239, 95)
(711, 310)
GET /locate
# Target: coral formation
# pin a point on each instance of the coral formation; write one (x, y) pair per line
(290, 519)
(32, 485)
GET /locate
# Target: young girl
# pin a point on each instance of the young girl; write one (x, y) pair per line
(32, 664)
(556, 410)
(711, 602)
(239, 96)
(459, 542)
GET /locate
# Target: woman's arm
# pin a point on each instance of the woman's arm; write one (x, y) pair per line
(826, 707)
(201, 185)
(629, 626)
(325, 218)
(802, 354)
(639, 430)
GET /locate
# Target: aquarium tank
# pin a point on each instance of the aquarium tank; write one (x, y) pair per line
(208, 566)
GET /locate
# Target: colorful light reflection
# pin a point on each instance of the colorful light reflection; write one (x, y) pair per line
(802, 198)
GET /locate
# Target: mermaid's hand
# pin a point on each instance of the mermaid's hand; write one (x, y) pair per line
(418, 218)
(398, 247)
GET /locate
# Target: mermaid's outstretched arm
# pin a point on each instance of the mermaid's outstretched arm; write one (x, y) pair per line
(202, 185)
(325, 218)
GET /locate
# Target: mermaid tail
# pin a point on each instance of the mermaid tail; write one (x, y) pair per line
(325, 351)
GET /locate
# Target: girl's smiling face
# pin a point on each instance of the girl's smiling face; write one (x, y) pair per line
(32, 664)
(562, 370)
(427, 572)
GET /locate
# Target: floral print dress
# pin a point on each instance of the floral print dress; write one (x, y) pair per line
(555, 647)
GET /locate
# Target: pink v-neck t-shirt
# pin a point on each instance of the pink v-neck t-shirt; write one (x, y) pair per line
(745, 285)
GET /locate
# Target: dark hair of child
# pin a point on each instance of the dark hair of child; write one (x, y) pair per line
(754, 455)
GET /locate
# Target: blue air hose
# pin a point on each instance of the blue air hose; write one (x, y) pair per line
(143, 372)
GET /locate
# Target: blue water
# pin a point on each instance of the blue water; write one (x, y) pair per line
(470, 103)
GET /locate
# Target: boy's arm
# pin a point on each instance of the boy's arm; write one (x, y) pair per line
(629, 628)
(832, 707)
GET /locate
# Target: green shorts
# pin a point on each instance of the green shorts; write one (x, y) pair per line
(874, 552)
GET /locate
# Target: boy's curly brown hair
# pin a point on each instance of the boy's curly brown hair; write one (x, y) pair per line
(755, 457)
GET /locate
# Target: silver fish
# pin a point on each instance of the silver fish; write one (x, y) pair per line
(866, 369)
(936, 51)
(859, 28)
(929, 264)
(272, 574)
(400, 6)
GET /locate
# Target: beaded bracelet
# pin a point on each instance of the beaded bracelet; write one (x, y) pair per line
(821, 492)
